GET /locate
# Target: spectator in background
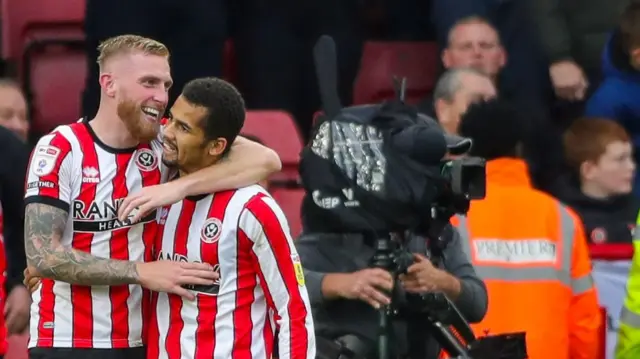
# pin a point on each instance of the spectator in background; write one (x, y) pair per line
(572, 35)
(618, 97)
(195, 31)
(15, 156)
(474, 42)
(13, 109)
(455, 91)
(473, 31)
(264, 183)
(13, 136)
(458, 88)
(601, 155)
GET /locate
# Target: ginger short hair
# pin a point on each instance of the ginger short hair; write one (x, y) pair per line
(587, 140)
(129, 43)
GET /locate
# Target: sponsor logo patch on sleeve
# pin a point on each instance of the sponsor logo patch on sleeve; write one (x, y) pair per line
(297, 267)
(44, 160)
(41, 184)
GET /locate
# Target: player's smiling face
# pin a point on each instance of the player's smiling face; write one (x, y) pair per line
(143, 85)
(185, 145)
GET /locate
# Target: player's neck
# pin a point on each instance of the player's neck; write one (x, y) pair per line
(112, 131)
(206, 163)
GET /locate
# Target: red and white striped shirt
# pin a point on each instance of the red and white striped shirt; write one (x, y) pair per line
(245, 236)
(72, 169)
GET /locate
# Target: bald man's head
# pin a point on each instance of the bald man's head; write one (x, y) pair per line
(456, 90)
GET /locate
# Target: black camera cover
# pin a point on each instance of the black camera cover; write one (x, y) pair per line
(360, 177)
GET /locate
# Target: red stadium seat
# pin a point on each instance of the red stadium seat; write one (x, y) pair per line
(290, 200)
(381, 61)
(278, 131)
(43, 42)
(26, 21)
(54, 79)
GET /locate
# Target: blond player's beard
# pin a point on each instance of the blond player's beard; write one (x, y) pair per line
(131, 114)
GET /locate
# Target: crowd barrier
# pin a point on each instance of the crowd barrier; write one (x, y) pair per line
(611, 265)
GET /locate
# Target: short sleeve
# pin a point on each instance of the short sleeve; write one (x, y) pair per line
(50, 172)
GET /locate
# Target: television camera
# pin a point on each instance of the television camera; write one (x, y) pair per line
(384, 170)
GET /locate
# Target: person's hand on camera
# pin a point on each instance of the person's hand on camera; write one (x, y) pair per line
(170, 276)
(421, 276)
(370, 285)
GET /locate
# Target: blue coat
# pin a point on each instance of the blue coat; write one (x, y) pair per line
(618, 97)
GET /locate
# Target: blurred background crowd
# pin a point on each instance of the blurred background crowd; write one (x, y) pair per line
(572, 67)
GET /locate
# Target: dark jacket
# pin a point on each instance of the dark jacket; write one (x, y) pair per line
(15, 156)
(334, 253)
(576, 29)
(617, 96)
(605, 220)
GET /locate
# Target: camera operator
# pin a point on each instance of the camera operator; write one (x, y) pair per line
(345, 293)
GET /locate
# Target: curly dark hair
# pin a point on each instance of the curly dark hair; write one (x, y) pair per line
(496, 128)
(225, 107)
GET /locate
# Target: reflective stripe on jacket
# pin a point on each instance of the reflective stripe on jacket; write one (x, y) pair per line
(628, 345)
(532, 253)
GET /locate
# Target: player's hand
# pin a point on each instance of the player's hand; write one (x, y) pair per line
(370, 285)
(31, 279)
(170, 276)
(16, 310)
(139, 204)
(421, 276)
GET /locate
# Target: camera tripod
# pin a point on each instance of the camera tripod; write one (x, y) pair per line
(435, 308)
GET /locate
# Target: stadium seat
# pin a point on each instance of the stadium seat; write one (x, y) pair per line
(278, 131)
(54, 79)
(43, 43)
(28, 21)
(381, 61)
(290, 200)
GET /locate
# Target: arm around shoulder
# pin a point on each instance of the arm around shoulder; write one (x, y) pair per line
(247, 163)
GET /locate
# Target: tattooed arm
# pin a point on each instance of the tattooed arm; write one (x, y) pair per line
(44, 226)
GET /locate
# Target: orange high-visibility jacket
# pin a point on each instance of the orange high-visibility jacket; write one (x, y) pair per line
(531, 251)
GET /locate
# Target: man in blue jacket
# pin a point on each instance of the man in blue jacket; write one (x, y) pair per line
(618, 97)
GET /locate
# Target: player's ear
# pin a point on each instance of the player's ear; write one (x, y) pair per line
(107, 84)
(217, 146)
